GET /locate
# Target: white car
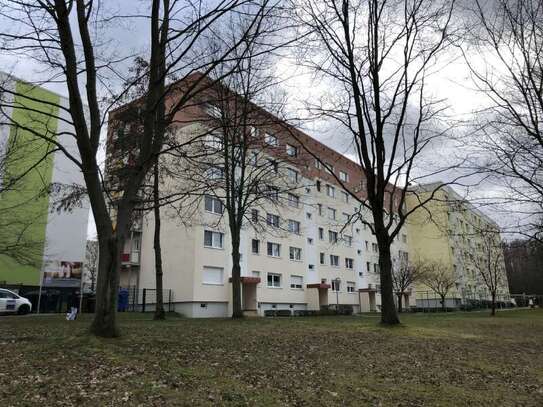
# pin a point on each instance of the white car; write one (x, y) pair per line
(11, 302)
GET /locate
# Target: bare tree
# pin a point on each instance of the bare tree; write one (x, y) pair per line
(488, 260)
(59, 36)
(404, 277)
(508, 139)
(91, 263)
(378, 54)
(439, 278)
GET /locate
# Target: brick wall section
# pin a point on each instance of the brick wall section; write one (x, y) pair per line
(286, 134)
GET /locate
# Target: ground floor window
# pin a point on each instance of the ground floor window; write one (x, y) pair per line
(336, 285)
(213, 275)
(350, 286)
(274, 280)
(296, 282)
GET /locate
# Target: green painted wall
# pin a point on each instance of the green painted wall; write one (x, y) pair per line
(23, 211)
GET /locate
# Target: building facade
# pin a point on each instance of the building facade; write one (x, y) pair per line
(309, 251)
(451, 231)
(51, 243)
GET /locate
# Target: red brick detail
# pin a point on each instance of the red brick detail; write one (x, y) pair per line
(319, 285)
(247, 280)
(368, 290)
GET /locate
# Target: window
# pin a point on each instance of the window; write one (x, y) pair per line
(343, 176)
(295, 253)
(271, 140)
(330, 191)
(253, 131)
(213, 239)
(321, 233)
(349, 263)
(318, 164)
(214, 173)
(334, 260)
(273, 165)
(322, 258)
(296, 282)
(331, 214)
(344, 196)
(336, 285)
(311, 267)
(376, 268)
(329, 168)
(292, 151)
(374, 247)
(255, 246)
(213, 275)
(294, 226)
(292, 175)
(348, 240)
(273, 193)
(318, 184)
(274, 249)
(332, 236)
(346, 217)
(213, 111)
(274, 280)
(254, 159)
(319, 206)
(350, 286)
(213, 141)
(254, 215)
(293, 200)
(368, 267)
(404, 238)
(272, 220)
(213, 204)
(367, 245)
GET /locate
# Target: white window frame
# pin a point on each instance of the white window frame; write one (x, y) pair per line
(216, 281)
(296, 282)
(293, 200)
(217, 239)
(332, 213)
(351, 287)
(271, 220)
(295, 253)
(274, 253)
(271, 139)
(349, 263)
(343, 176)
(214, 202)
(276, 280)
(334, 263)
(292, 151)
(292, 175)
(257, 245)
(294, 226)
(330, 191)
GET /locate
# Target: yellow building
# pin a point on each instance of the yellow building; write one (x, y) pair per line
(450, 231)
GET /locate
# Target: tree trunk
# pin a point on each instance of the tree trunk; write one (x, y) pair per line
(389, 315)
(104, 323)
(237, 310)
(493, 310)
(443, 308)
(159, 309)
(399, 303)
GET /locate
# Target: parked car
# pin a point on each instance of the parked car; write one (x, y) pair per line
(11, 303)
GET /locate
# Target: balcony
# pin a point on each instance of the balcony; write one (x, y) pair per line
(132, 258)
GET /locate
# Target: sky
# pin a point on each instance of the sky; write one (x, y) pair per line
(124, 37)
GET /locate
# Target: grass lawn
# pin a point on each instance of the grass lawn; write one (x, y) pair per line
(454, 359)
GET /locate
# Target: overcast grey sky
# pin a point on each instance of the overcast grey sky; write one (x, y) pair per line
(451, 81)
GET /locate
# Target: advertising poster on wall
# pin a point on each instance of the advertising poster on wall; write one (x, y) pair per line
(63, 274)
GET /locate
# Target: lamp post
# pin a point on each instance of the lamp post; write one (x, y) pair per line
(337, 281)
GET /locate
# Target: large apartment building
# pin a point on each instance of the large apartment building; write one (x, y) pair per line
(451, 231)
(38, 244)
(298, 255)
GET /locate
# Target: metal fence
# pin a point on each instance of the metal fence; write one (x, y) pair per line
(144, 299)
(429, 301)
